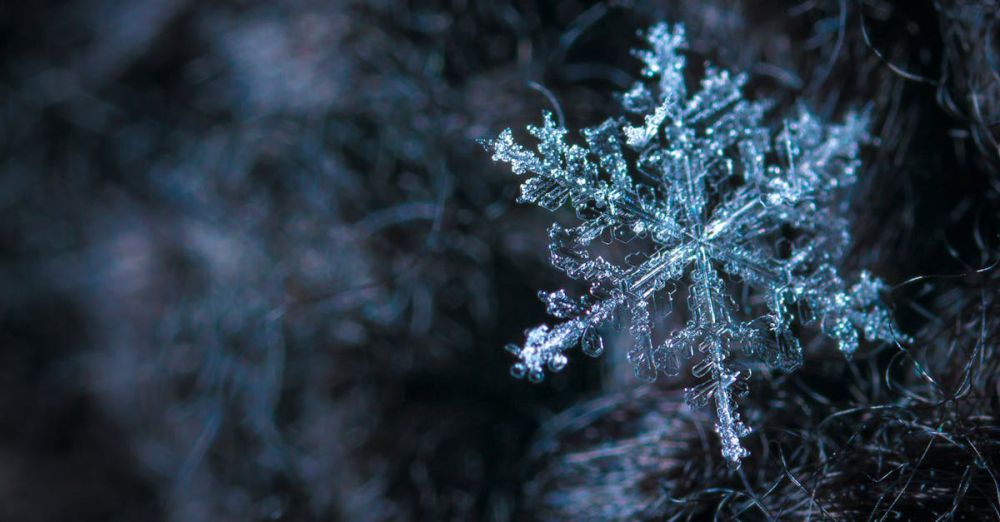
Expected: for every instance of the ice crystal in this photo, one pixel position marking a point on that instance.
(722, 204)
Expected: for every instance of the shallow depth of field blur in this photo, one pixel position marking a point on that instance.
(255, 266)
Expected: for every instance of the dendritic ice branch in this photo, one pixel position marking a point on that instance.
(722, 203)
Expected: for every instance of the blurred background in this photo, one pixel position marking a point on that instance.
(254, 266)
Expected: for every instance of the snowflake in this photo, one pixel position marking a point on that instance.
(720, 206)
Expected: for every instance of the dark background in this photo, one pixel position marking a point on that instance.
(254, 265)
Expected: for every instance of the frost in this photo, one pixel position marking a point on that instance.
(722, 203)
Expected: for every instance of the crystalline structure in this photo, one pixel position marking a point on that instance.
(724, 202)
